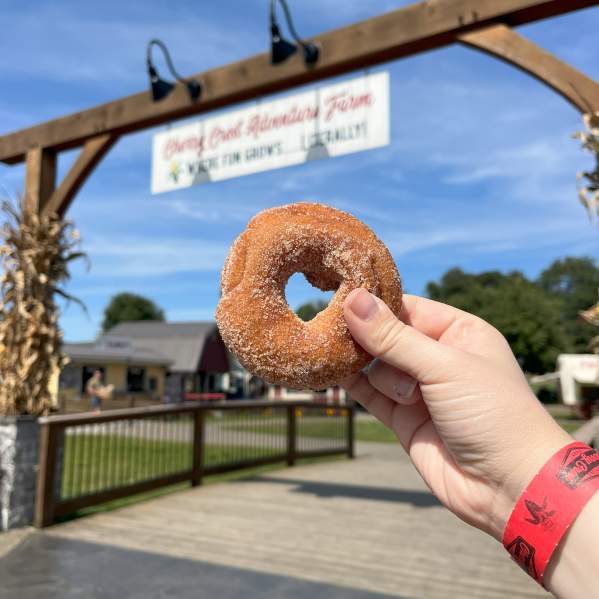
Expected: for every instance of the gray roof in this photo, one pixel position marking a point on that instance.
(92, 352)
(181, 342)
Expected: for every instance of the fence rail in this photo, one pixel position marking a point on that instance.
(88, 459)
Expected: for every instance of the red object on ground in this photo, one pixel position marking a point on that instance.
(549, 506)
(203, 396)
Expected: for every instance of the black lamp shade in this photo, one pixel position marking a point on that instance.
(311, 54)
(194, 89)
(160, 88)
(281, 48)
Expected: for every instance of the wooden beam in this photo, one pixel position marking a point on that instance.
(407, 31)
(500, 41)
(94, 150)
(40, 177)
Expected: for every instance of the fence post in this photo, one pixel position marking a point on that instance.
(44, 497)
(291, 435)
(198, 447)
(350, 431)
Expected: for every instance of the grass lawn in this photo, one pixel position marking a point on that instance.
(103, 461)
(96, 462)
(333, 427)
(371, 430)
(246, 473)
(374, 431)
(570, 427)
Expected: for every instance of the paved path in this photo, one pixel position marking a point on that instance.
(348, 529)
(11, 539)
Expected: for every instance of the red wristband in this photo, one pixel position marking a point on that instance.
(549, 505)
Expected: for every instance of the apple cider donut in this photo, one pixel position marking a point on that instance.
(335, 251)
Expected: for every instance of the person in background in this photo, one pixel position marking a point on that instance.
(94, 389)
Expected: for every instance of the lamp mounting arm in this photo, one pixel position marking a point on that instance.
(311, 51)
(288, 19)
(167, 57)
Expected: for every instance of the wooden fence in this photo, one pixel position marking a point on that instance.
(88, 459)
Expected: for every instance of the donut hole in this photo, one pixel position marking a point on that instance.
(299, 292)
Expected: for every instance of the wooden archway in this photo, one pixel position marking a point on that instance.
(482, 24)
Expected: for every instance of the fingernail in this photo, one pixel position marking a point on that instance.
(405, 388)
(362, 304)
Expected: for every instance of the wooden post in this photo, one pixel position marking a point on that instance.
(350, 431)
(198, 447)
(40, 178)
(44, 499)
(291, 436)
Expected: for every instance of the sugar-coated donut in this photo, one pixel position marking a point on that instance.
(335, 251)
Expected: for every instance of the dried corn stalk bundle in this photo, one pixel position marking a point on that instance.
(35, 255)
(588, 189)
(592, 317)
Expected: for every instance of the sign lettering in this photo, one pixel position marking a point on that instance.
(329, 121)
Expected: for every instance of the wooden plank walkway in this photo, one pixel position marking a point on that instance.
(365, 524)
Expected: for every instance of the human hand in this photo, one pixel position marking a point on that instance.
(449, 386)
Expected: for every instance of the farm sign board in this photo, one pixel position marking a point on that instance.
(328, 121)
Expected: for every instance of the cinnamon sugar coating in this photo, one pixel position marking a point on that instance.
(336, 252)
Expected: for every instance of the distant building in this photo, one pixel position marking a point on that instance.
(171, 361)
(128, 368)
(578, 378)
(198, 358)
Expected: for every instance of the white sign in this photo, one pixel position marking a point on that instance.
(329, 121)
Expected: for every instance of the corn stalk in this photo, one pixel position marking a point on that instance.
(592, 317)
(35, 253)
(588, 182)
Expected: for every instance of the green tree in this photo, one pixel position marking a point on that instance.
(527, 317)
(129, 306)
(573, 282)
(309, 310)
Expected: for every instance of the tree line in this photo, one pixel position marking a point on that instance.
(538, 317)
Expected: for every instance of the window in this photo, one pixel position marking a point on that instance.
(135, 378)
(153, 384)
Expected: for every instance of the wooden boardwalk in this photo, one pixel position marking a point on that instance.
(367, 524)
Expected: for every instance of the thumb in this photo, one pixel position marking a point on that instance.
(383, 335)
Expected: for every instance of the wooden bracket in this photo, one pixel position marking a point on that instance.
(93, 151)
(481, 24)
(504, 43)
(404, 32)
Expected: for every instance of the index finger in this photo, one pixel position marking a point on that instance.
(428, 316)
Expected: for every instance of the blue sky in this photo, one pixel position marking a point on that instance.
(480, 172)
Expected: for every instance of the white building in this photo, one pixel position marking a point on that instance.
(578, 377)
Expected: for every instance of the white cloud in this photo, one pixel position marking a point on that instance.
(94, 286)
(141, 257)
(210, 211)
(65, 45)
(492, 235)
(336, 13)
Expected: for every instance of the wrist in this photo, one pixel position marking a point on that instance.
(526, 465)
(572, 571)
(549, 506)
